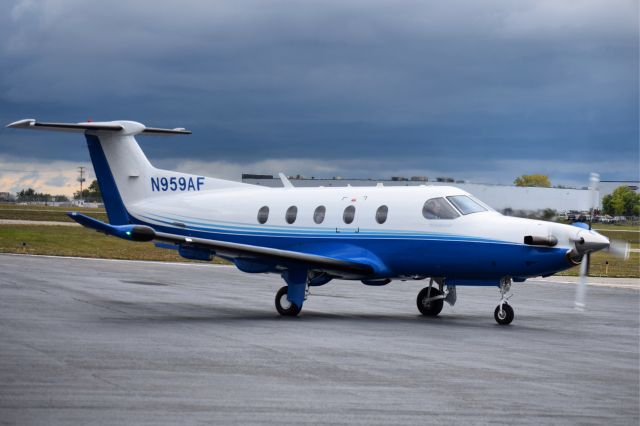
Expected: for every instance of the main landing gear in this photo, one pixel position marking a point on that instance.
(290, 298)
(504, 312)
(285, 307)
(430, 300)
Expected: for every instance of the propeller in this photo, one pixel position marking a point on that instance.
(617, 248)
(581, 290)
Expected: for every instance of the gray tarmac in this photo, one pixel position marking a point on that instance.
(117, 342)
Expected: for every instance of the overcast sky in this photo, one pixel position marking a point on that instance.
(483, 91)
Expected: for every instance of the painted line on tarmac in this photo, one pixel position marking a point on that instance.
(153, 262)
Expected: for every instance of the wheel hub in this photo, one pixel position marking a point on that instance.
(284, 302)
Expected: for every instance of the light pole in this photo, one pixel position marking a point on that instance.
(81, 179)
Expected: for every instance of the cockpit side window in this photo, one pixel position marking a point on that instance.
(438, 208)
(466, 205)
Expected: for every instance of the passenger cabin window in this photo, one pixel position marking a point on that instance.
(292, 213)
(263, 214)
(438, 208)
(318, 214)
(381, 214)
(465, 204)
(349, 214)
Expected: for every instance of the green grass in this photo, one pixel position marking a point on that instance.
(77, 241)
(46, 213)
(617, 268)
(616, 227)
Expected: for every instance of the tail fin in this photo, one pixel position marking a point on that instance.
(124, 174)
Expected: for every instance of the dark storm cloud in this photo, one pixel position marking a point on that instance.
(447, 86)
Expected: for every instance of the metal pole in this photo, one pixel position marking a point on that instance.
(81, 179)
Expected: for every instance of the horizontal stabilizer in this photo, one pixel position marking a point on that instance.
(128, 232)
(125, 127)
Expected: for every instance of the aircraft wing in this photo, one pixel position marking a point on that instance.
(286, 258)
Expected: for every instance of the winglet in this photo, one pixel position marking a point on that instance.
(27, 122)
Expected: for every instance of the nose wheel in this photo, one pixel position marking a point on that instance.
(503, 314)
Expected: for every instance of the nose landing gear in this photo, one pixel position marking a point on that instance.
(504, 312)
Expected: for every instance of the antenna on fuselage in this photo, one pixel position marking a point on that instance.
(285, 181)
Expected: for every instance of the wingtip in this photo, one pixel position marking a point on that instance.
(27, 122)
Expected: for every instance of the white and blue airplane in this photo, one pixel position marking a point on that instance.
(311, 236)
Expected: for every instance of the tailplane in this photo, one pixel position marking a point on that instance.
(124, 173)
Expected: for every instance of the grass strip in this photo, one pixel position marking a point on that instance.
(80, 242)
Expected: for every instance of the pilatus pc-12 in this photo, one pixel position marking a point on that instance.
(311, 236)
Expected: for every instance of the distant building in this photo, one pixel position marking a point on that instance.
(255, 176)
(500, 197)
(6, 196)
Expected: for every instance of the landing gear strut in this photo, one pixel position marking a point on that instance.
(430, 300)
(504, 312)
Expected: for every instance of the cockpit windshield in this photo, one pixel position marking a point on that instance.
(466, 205)
(438, 208)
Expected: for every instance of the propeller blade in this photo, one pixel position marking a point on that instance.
(619, 248)
(589, 246)
(581, 289)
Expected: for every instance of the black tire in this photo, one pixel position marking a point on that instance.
(506, 316)
(431, 308)
(281, 298)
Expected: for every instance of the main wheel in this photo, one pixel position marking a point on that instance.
(284, 306)
(505, 316)
(430, 308)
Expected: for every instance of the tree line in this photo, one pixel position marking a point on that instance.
(90, 194)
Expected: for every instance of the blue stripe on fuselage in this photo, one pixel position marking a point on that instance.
(277, 231)
(415, 254)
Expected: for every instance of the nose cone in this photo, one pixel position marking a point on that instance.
(590, 241)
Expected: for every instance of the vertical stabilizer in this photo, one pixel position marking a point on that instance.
(124, 174)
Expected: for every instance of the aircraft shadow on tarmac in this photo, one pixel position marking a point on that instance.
(183, 312)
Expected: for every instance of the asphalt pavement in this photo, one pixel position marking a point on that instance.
(119, 342)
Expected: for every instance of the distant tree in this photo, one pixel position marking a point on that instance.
(623, 201)
(25, 194)
(533, 180)
(91, 193)
(30, 195)
(507, 211)
(548, 214)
